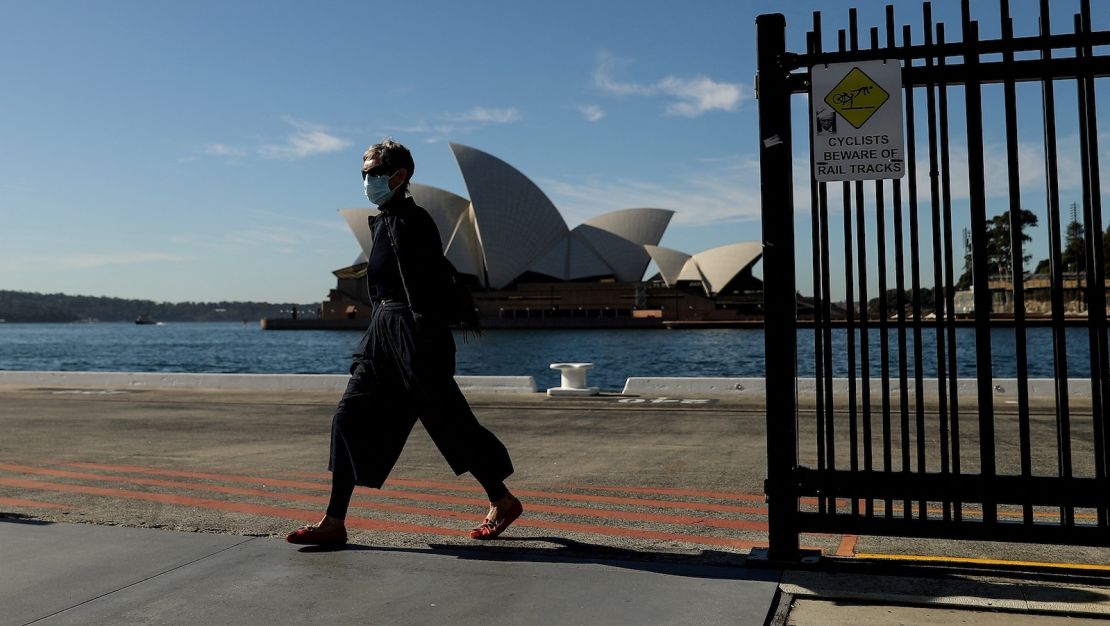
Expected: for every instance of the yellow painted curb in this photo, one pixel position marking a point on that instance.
(975, 561)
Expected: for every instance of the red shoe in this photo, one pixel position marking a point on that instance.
(313, 536)
(490, 529)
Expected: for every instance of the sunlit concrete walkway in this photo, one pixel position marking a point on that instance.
(635, 512)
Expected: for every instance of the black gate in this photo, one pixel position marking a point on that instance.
(917, 435)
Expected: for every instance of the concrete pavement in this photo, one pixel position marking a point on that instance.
(86, 574)
(651, 504)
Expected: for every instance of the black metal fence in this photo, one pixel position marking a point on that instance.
(903, 454)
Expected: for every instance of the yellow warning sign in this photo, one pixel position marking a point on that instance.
(856, 97)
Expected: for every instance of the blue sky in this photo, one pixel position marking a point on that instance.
(200, 150)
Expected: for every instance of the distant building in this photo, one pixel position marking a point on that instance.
(529, 269)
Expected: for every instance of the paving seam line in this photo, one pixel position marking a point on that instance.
(893, 601)
(926, 559)
(876, 599)
(141, 581)
(781, 603)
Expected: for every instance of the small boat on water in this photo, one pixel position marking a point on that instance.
(145, 319)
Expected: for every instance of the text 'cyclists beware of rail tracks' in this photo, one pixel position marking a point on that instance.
(856, 121)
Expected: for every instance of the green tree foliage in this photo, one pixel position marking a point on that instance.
(1074, 255)
(23, 306)
(999, 258)
(928, 303)
(1105, 249)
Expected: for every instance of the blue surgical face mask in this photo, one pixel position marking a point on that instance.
(377, 189)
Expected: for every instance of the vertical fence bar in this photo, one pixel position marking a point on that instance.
(915, 280)
(1017, 253)
(938, 267)
(900, 284)
(849, 321)
(900, 280)
(850, 335)
(826, 296)
(949, 271)
(819, 321)
(1102, 439)
(884, 304)
(779, 295)
(980, 278)
(1059, 331)
(1090, 238)
(1096, 282)
(864, 339)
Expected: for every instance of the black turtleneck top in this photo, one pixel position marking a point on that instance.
(383, 279)
(420, 250)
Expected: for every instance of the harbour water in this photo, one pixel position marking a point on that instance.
(616, 354)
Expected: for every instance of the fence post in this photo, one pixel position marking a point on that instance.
(779, 294)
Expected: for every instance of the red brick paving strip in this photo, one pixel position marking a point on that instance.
(24, 503)
(427, 484)
(749, 525)
(352, 522)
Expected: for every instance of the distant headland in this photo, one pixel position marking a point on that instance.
(25, 306)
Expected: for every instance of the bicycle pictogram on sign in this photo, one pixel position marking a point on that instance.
(856, 97)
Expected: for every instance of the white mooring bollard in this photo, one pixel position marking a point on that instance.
(573, 381)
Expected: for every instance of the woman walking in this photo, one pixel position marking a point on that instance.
(403, 369)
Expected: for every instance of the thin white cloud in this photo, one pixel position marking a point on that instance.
(607, 65)
(303, 144)
(224, 150)
(450, 124)
(592, 112)
(727, 192)
(271, 232)
(726, 188)
(486, 115)
(692, 96)
(1031, 170)
(89, 260)
(700, 94)
(307, 139)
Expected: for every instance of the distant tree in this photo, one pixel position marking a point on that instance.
(1106, 251)
(22, 306)
(965, 279)
(928, 303)
(1073, 258)
(999, 259)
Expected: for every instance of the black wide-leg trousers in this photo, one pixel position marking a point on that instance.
(402, 373)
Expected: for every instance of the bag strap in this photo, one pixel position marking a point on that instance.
(400, 272)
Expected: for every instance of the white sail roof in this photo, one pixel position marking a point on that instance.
(572, 258)
(619, 238)
(720, 265)
(516, 222)
(714, 268)
(454, 217)
(357, 221)
(673, 264)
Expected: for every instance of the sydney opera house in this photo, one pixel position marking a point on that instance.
(529, 269)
